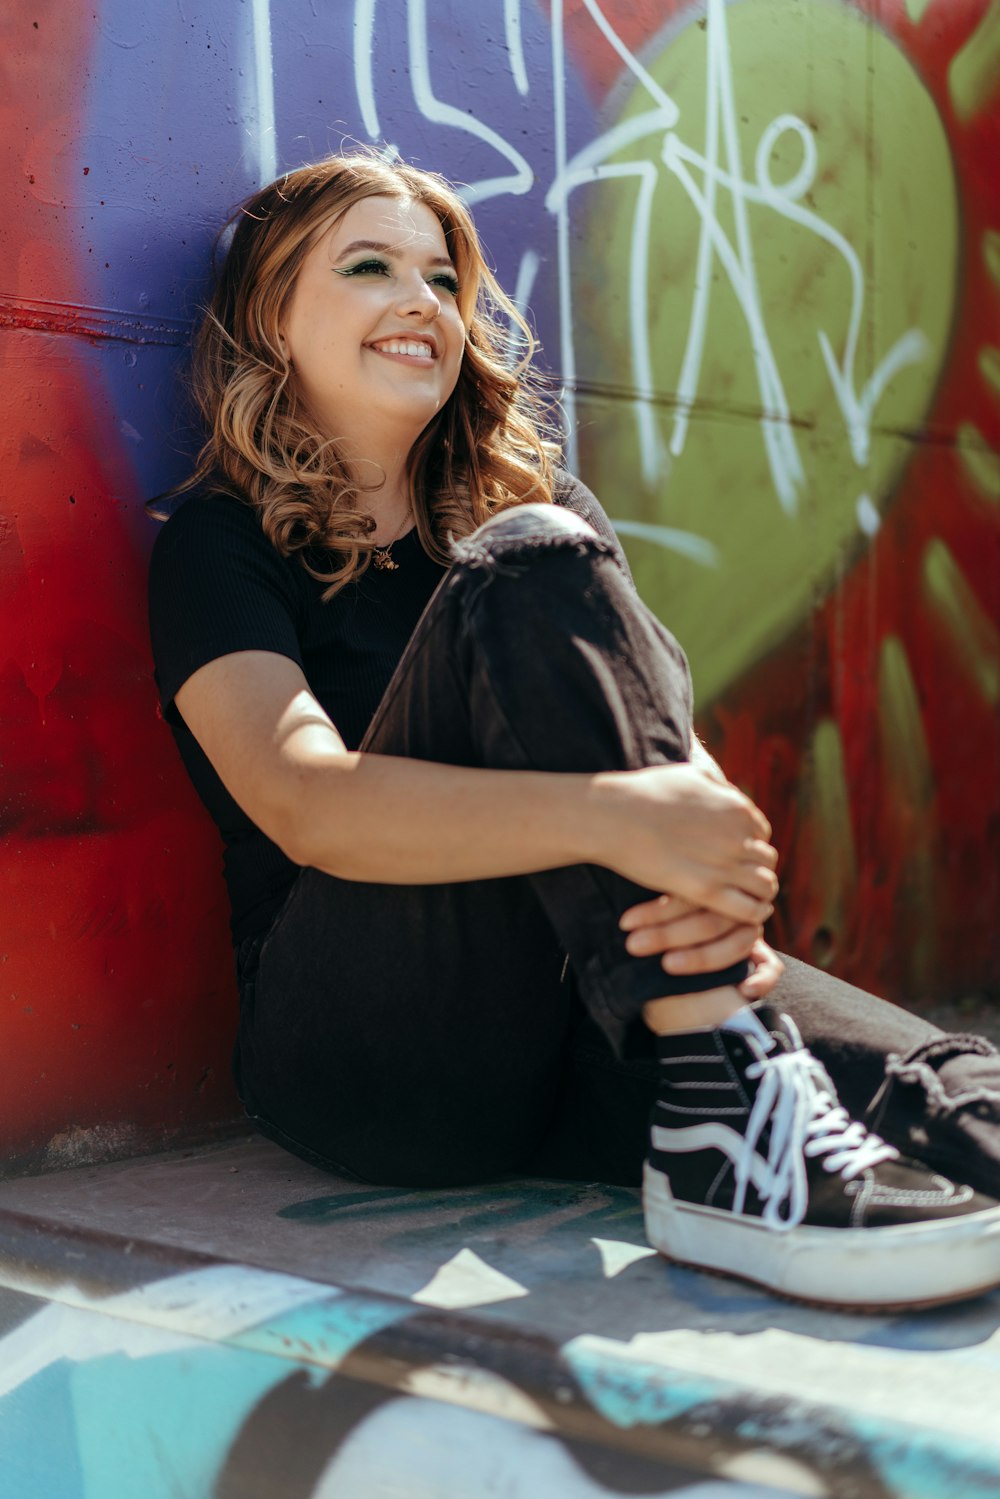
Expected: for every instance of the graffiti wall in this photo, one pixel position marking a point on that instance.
(760, 243)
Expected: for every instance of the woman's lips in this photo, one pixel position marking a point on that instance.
(405, 350)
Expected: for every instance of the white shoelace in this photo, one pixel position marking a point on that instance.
(797, 1097)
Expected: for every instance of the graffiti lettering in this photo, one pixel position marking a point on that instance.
(719, 166)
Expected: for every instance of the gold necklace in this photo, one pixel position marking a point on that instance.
(382, 556)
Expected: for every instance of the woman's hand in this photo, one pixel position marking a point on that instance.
(672, 827)
(693, 940)
(767, 970)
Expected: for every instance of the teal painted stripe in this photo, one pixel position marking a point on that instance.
(323, 1332)
(155, 1420)
(923, 1465)
(163, 1425)
(914, 1463)
(628, 1393)
(38, 1441)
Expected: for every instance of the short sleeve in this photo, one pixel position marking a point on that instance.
(216, 586)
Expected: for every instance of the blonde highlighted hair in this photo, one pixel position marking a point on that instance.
(485, 450)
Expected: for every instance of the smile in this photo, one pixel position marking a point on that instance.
(405, 348)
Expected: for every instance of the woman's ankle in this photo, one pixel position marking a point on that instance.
(692, 1012)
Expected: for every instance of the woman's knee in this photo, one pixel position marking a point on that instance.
(514, 538)
(535, 521)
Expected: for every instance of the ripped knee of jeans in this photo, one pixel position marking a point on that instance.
(523, 531)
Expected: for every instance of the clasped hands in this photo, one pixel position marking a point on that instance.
(708, 846)
(694, 941)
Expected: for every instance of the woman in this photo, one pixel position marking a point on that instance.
(487, 914)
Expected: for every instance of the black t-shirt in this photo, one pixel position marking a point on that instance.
(217, 586)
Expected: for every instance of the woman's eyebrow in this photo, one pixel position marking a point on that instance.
(374, 244)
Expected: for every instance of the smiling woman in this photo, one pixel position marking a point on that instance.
(285, 392)
(492, 908)
(377, 346)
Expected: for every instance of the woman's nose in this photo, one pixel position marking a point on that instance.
(419, 297)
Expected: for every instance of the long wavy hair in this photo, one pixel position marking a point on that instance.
(490, 445)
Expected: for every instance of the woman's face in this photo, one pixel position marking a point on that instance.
(373, 329)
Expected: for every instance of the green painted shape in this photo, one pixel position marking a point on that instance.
(321, 1210)
(991, 254)
(974, 636)
(836, 863)
(905, 743)
(981, 464)
(974, 74)
(468, 1209)
(888, 188)
(908, 790)
(989, 368)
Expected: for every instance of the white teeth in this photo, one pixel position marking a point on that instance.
(405, 346)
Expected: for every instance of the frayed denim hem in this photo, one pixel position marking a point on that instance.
(916, 1068)
(951, 1123)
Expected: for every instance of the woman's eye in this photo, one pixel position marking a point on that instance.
(447, 279)
(364, 268)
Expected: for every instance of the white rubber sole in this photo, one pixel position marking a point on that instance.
(918, 1264)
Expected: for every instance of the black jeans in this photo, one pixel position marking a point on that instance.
(443, 1034)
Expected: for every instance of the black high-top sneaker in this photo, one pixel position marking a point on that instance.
(755, 1170)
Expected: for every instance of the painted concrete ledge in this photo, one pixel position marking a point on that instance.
(230, 1323)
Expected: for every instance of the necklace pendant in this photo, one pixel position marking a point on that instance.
(382, 559)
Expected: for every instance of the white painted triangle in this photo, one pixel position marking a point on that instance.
(466, 1280)
(616, 1255)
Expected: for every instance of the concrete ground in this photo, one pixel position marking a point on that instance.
(231, 1322)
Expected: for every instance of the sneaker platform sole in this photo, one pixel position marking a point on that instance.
(856, 1269)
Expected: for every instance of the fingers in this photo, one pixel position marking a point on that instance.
(670, 922)
(746, 892)
(746, 813)
(756, 851)
(738, 942)
(761, 825)
(714, 848)
(661, 911)
(691, 930)
(767, 970)
(693, 939)
(757, 881)
(748, 910)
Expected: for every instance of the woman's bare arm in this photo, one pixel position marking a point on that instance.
(391, 820)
